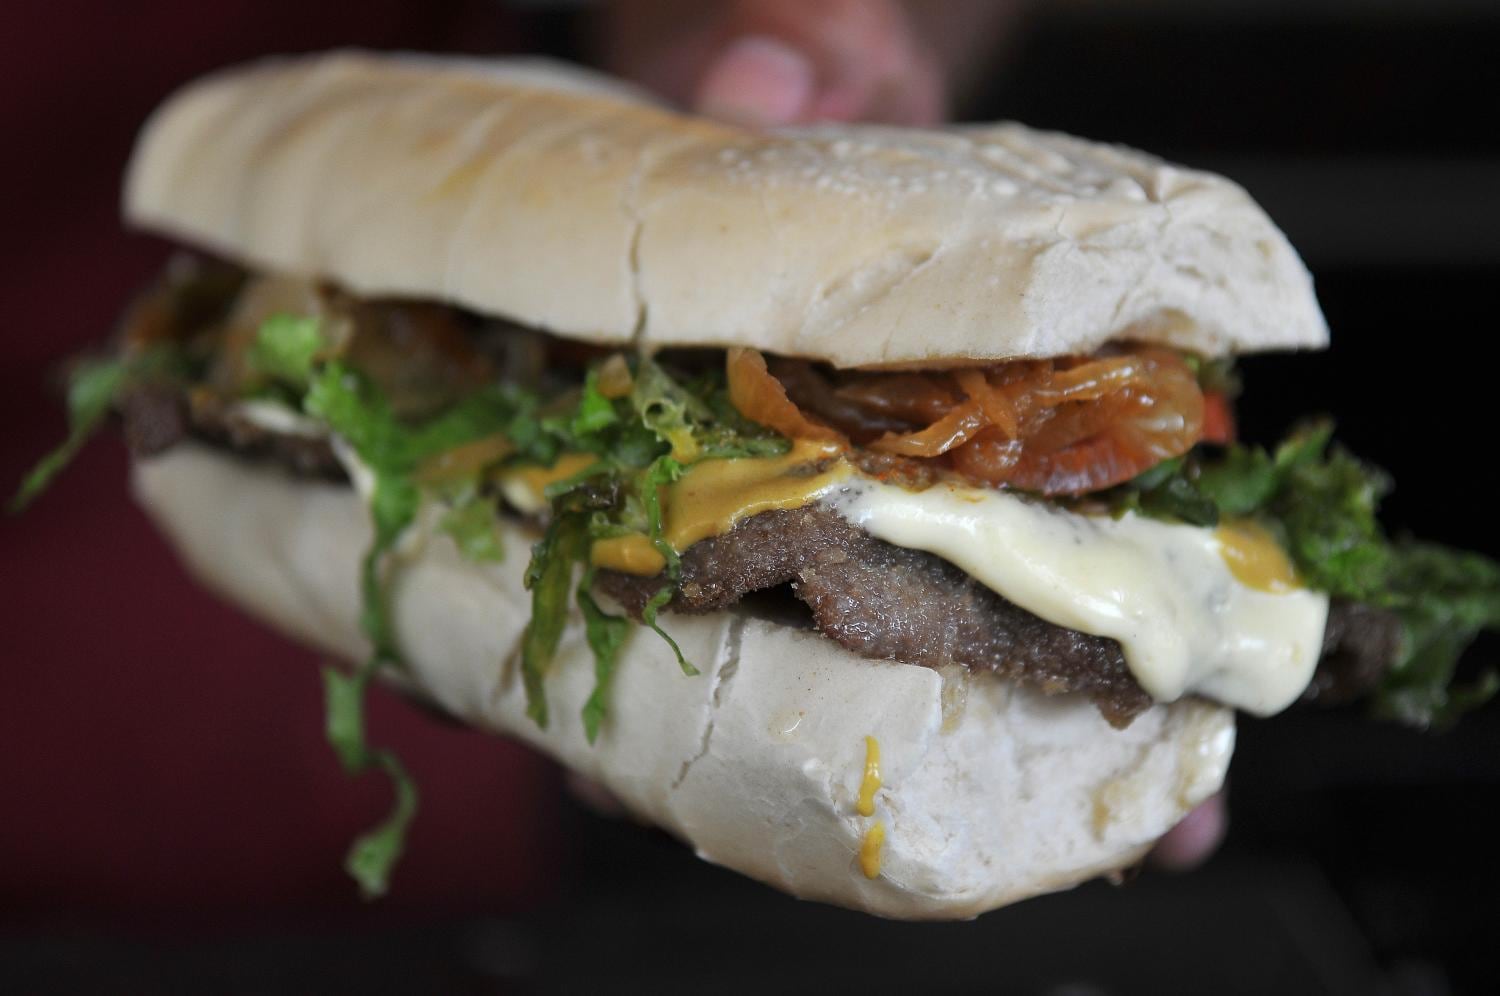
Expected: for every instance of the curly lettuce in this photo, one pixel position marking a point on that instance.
(1320, 501)
(292, 352)
(637, 438)
(94, 387)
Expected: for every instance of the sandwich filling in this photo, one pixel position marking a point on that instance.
(1082, 524)
(1085, 525)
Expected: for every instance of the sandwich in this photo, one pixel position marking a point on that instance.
(860, 505)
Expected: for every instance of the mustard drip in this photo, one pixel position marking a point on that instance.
(1255, 558)
(632, 554)
(869, 850)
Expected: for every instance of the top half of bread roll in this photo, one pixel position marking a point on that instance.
(555, 198)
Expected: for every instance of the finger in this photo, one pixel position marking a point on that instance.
(872, 65)
(1195, 838)
(912, 96)
(758, 81)
(781, 63)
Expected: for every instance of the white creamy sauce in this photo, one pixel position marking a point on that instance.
(1186, 625)
(273, 416)
(360, 474)
(522, 496)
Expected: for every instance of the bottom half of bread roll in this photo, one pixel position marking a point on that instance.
(988, 793)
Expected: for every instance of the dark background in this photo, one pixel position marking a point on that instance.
(172, 820)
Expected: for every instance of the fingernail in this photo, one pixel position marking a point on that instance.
(757, 81)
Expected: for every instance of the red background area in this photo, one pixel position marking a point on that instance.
(159, 753)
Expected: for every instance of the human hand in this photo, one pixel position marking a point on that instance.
(1195, 838)
(764, 63)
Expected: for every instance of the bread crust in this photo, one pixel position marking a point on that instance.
(757, 762)
(561, 200)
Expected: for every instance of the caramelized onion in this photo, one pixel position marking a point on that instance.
(915, 398)
(1158, 417)
(1063, 426)
(761, 398)
(989, 458)
(953, 429)
(1092, 380)
(812, 391)
(420, 355)
(614, 379)
(150, 320)
(1078, 420)
(995, 404)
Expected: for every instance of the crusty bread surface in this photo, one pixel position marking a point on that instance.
(757, 762)
(559, 199)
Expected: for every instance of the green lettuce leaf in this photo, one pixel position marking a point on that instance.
(93, 387)
(643, 442)
(1322, 502)
(1164, 493)
(288, 349)
(606, 636)
(1445, 598)
(549, 577)
(374, 854)
(473, 523)
(595, 412)
(393, 506)
(699, 422)
(642, 446)
(662, 472)
(286, 346)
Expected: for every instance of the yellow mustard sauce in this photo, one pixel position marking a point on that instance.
(713, 495)
(465, 459)
(632, 554)
(536, 479)
(1255, 558)
(684, 446)
(870, 784)
(869, 850)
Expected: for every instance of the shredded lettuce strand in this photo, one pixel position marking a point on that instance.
(94, 385)
(288, 351)
(473, 525)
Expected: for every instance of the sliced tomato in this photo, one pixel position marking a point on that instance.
(1218, 418)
